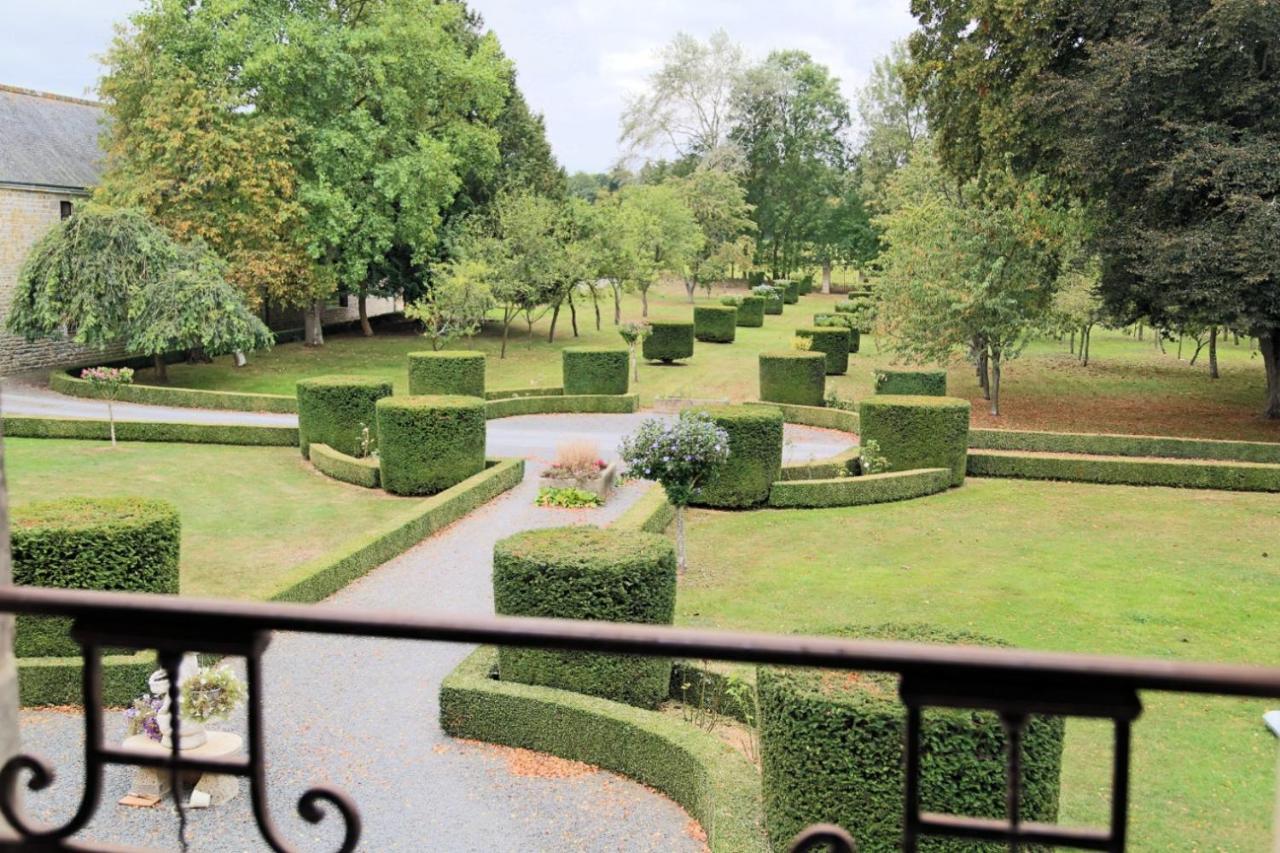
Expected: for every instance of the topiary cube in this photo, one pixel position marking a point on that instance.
(446, 372)
(793, 377)
(669, 341)
(755, 278)
(790, 290)
(715, 324)
(844, 321)
(587, 573)
(832, 751)
(831, 341)
(918, 432)
(773, 304)
(335, 410)
(595, 370)
(755, 457)
(427, 444)
(806, 284)
(750, 311)
(909, 382)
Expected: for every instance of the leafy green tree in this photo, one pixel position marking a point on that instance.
(842, 231)
(892, 123)
(455, 305)
(720, 209)
(658, 236)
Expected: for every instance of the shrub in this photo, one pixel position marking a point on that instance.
(794, 377)
(831, 341)
(1125, 445)
(842, 465)
(348, 469)
(335, 410)
(822, 417)
(1184, 474)
(832, 750)
(616, 404)
(595, 370)
(918, 432)
(755, 278)
(446, 372)
(532, 391)
(181, 397)
(912, 382)
(772, 297)
(859, 491)
(177, 433)
(652, 512)
(806, 284)
(669, 341)
(844, 321)
(587, 573)
(116, 544)
(755, 456)
(427, 444)
(790, 290)
(715, 324)
(750, 311)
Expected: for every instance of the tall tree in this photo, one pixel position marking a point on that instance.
(892, 123)
(720, 209)
(843, 232)
(657, 233)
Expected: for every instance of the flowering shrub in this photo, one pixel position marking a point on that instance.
(871, 459)
(107, 382)
(634, 334)
(211, 694)
(576, 460)
(140, 717)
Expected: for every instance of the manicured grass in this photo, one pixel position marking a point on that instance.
(249, 514)
(1130, 386)
(1163, 573)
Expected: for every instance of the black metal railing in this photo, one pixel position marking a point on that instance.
(1014, 684)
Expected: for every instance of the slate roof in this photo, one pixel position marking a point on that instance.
(48, 140)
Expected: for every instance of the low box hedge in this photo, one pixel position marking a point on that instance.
(358, 472)
(652, 513)
(822, 417)
(918, 432)
(187, 398)
(848, 463)
(669, 341)
(793, 377)
(1099, 444)
(790, 290)
(427, 444)
(1176, 473)
(609, 404)
(174, 433)
(832, 751)
(60, 680)
(119, 544)
(593, 574)
(457, 372)
(512, 393)
(909, 383)
(337, 410)
(755, 457)
(750, 311)
(715, 324)
(596, 370)
(832, 341)
(859, 491)
(711, 780)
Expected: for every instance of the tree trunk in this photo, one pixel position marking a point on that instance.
(1139, 330)
(551, 335)
(984, 376)
(690, 286)
(1180, 347)
(111, 419)
(1213, 353)
(595, 303)
(362, 303)
(995, 382)
(1073, 342)
(635, 361)
(617, 303)
(162, 369)
(680, 562)
(573, 316)
(826, 276)
(1269, 343)
(644, 302)
(1086, 338)
(506, 331)
(313, 328)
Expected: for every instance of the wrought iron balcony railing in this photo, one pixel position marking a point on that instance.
(1012, 683)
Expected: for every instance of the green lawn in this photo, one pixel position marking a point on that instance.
(1162, 573)
(1129, 387)
(249, 514)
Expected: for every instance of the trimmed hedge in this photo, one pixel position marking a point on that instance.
(457, 372)
(906, 383)
(750, 311)
(715, 324)
(1182, 474)
(115, 544)
(596, 370)
(176, 433)
(755, 278)
(59, 680)
(187, 398)
(918, 432)
(711, 780)
(790, 290)
(1125, 445)
(321, 577)
(358, 472)
(755, 457)
(846, 464)
(652, 513)
(587, 573)
(793, 377)
(609, 404)
(832, 750)
(806, 284)
(512, 393)
(831, 341)
(822, 417)
(859, 491)
(427, 444)
(334, 410)
(669, 341)
(844, 321)
(773, 305)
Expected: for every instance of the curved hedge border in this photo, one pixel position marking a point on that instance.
(446, 372)
(821, 417)
(843, 464)
(1101, 444)
(94, 430)
(755, 457)
(1176, 473)
(918, 431)
(338, 410)
(431, 443)
(606, 404)
(358, 472)
(595, 370)
(700, 772)
(652, 513)
(515, 393)
(859, 491)
(187, 398)
(907, 383)
(59, 681)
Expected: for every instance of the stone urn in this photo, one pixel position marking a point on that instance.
(600, 485)
(191, 733)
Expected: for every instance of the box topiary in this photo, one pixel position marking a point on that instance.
(832, 751)
(806, 284)
(918, 432)
(715, 324)
(427, 444)
(773, 304)
(595, 370)
(790, 290)
(909, 382)
(669, 341)
(335, 410)
(831, 341)
(119, 544)
(446, 372)
(750, 311)
(793, 377)
(825, 320)
(755, 456)
(587, 573)
(755, 278)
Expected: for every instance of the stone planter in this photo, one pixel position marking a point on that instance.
(600, 486)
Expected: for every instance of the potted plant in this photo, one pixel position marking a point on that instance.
(205, 694)
(578, 466)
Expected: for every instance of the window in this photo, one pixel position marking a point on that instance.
(64, 209)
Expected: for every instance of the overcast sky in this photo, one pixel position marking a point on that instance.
(577, 59)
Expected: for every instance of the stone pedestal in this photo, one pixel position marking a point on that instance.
(211, 789)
